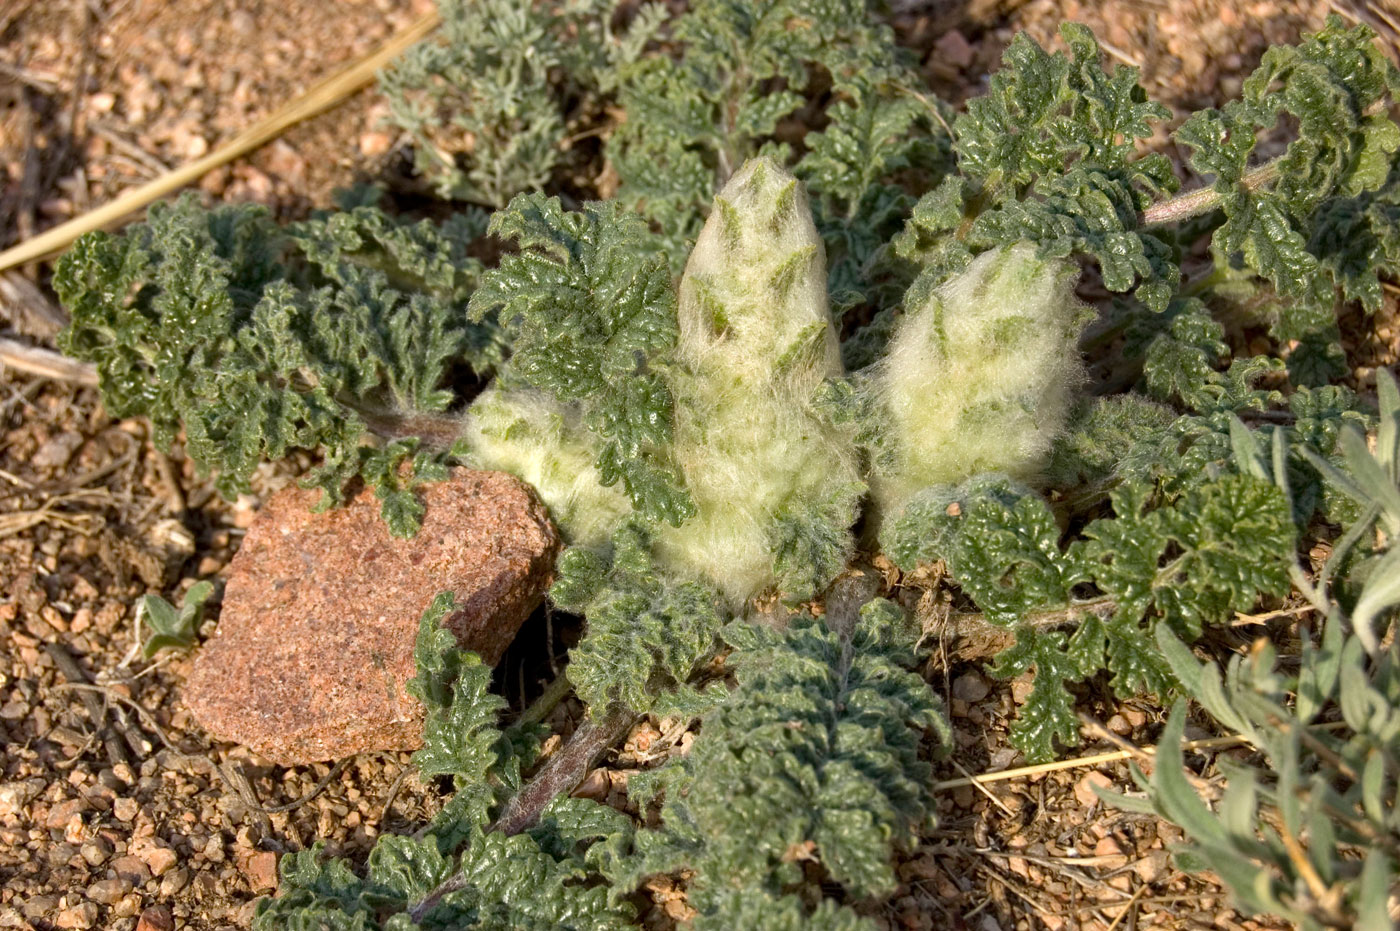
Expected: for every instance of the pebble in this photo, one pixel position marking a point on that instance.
(374, 144)
(1084, 788)
(126, 809)
(96, 851)
(15, 795)
(132, 869)
(39, 907)
(80, 916)
(159, 859)
(108, 891)
(173, 882)
(260, 870)
(970, 687)
(156, 918)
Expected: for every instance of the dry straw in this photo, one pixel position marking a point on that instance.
(321, 97)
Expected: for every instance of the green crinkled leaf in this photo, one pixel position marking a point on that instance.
(493, 79)
(461, 737)
(816, 753)
(259, 341)
(588, 306)
(1207, 556)
(742, 69)
(1330, 85)
(1181, 365)
(1056, 659)
(999, 539)
(1051, 147)
(646, 633)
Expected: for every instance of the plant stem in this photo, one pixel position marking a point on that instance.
(1206, 199)
(560, 774)
(540, 708)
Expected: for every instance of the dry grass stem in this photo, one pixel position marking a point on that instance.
(1098, 759)
(321, 97)
(45, 363)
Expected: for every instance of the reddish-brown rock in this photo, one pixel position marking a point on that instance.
(315, 640)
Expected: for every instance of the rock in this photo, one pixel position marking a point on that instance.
(57, 451)
(954, 48)
(108, 891)
(171, 883)
(96, 851)
(970, 687)
(1084, 788)
(80, 916)
(15, 795)
(156, 918)
(40, 907)
(159, 859)
(315, 639)
(131, 869)
(1153, 866)
(375, 144)
(126, 809)
(260, 870)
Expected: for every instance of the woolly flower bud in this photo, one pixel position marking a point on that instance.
(979, 375)
(775, 487)
(543, 442)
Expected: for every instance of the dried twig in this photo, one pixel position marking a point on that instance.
(97, 712)
(29, 309)
(564, 770)
(321, 97)
(45, 363)
(1113, 756)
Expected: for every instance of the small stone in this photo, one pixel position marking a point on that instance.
(64, 812)
(1084, 788)
(96, 851)
(315, 639)
(159, 859)
(40, 907)
(261, 870)
(595, 786)
(131, 869)
(173, 882)
(1152, 867)
(80, 916)
(126, 809)
(108, 891)
(156, 918)
(15, 795)
(970, 687)
(1108, 847)
(1119, 725)
(954, 49)
(57, 451)
(128, 908)
(375, 144)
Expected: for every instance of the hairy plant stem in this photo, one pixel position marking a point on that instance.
(437, 431)
(1206, 199)
(564, 770)
(540, 708)
(981, 638)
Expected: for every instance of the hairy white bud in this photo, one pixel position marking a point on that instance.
(979, 376)
(544, 442)
(775, 487)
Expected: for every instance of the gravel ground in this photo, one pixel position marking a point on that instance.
(114, 806)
